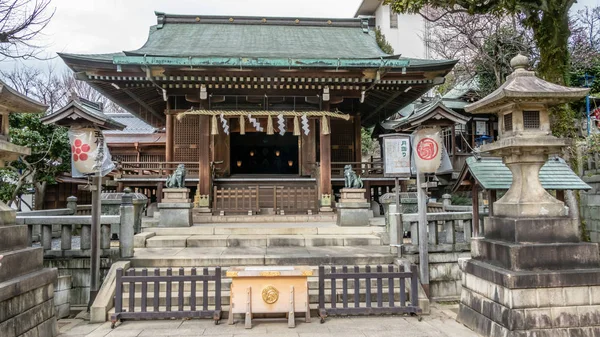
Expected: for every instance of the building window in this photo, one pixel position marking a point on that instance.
(531, 119)
(508, 122)
(393, 19)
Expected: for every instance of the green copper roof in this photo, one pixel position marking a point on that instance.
(492, 174)
(214, 36)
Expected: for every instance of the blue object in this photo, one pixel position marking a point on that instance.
(483, 140)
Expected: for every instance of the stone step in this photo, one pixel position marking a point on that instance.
(266, 230)
(377, 222)
(298, 240)
(260, 256)
(262, 218)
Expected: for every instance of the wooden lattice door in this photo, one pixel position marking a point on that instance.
(187, 139)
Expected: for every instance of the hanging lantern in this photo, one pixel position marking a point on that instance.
(89, 153)
(428, 149)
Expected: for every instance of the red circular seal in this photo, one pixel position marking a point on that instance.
(427, 149)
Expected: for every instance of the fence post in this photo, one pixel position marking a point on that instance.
(72, 204)
(126, 231)
(47, 237)
(86, 236)
(446, 201)
(65, 237)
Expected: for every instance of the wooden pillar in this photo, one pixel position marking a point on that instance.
(492, 200)
(325, 160)
(309, 149)
(204, 156)
(170, 143)
(475, 220)
(159, 192)
(560, 195)
(357, 139)
(221, 150)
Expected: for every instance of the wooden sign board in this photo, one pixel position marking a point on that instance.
(396, 156)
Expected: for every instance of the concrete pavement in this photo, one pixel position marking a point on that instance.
(440, 323)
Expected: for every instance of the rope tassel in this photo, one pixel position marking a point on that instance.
(242, 125)
(214, 131)
(270, 129)
(324, 126)
(296, 126)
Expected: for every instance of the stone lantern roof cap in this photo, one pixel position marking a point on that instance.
(524, 86)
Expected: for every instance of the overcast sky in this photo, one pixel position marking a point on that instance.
(103, 26)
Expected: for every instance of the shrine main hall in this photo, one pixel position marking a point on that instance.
(265, 112)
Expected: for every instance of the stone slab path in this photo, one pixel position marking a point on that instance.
(441, 323)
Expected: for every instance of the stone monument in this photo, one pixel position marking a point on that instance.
(531, 275)
(176, 206)
(353, 208)
(26, 287)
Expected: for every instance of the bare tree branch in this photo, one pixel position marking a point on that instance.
(21, 21)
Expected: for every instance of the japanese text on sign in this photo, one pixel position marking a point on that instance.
(396, 156)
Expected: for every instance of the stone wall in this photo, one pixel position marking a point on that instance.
(78, 269)
(445, 277)
(26, 306)
(590, 207)
(62, 294)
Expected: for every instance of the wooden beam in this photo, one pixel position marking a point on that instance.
(325, 160)
(142, 103)
(383, 105)
(357, 139)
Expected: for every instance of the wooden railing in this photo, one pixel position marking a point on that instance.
(295, 199)
(363, 169)
(155, 169)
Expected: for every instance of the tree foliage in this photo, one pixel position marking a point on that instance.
(548, 20)
(382, 42)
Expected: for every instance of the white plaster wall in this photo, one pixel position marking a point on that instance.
(407, 38)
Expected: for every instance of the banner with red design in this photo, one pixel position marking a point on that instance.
(428, 148)
(89, 153)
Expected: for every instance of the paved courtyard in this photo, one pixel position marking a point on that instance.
(440, 323)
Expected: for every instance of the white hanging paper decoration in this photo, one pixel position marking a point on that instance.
(255, 123)
(225, 125)
(281, 122)
(305, 125)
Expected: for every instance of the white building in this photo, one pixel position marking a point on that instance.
(403, 31)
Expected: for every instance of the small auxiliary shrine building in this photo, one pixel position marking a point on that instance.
(264, 112)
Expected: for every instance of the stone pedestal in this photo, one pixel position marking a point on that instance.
(175, 208)
(531, 276)
(26, 288)
(353, 208)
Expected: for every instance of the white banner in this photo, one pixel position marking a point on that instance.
(89, 153)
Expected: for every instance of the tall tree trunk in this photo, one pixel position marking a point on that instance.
(551, 33)
(40, 194)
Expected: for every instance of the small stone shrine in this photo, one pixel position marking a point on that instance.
(353, 208)
(26, 287)
(176, 206)
(530, 275)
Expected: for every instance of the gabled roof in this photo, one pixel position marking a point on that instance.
(133, 125)
(367, 7)
(434, 111)
(12, 101)
(82, 112)
(491, 174)
(270, 37)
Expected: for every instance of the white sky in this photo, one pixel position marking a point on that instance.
(103, 26)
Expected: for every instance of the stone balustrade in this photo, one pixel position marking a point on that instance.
(447, 231)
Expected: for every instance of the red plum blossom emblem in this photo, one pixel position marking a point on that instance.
(80, 150)
(427, 149)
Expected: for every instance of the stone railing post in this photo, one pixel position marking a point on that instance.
(72, 204)
(126, 231)
(446, 201)
(65, 237)
(86, 237)
(47, 237)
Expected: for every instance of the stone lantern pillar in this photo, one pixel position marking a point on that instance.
(530, 274)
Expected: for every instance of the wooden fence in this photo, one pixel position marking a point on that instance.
(186, 306)
(396, 283)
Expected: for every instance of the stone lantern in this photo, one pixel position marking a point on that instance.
(525, 140)
(530, 274)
